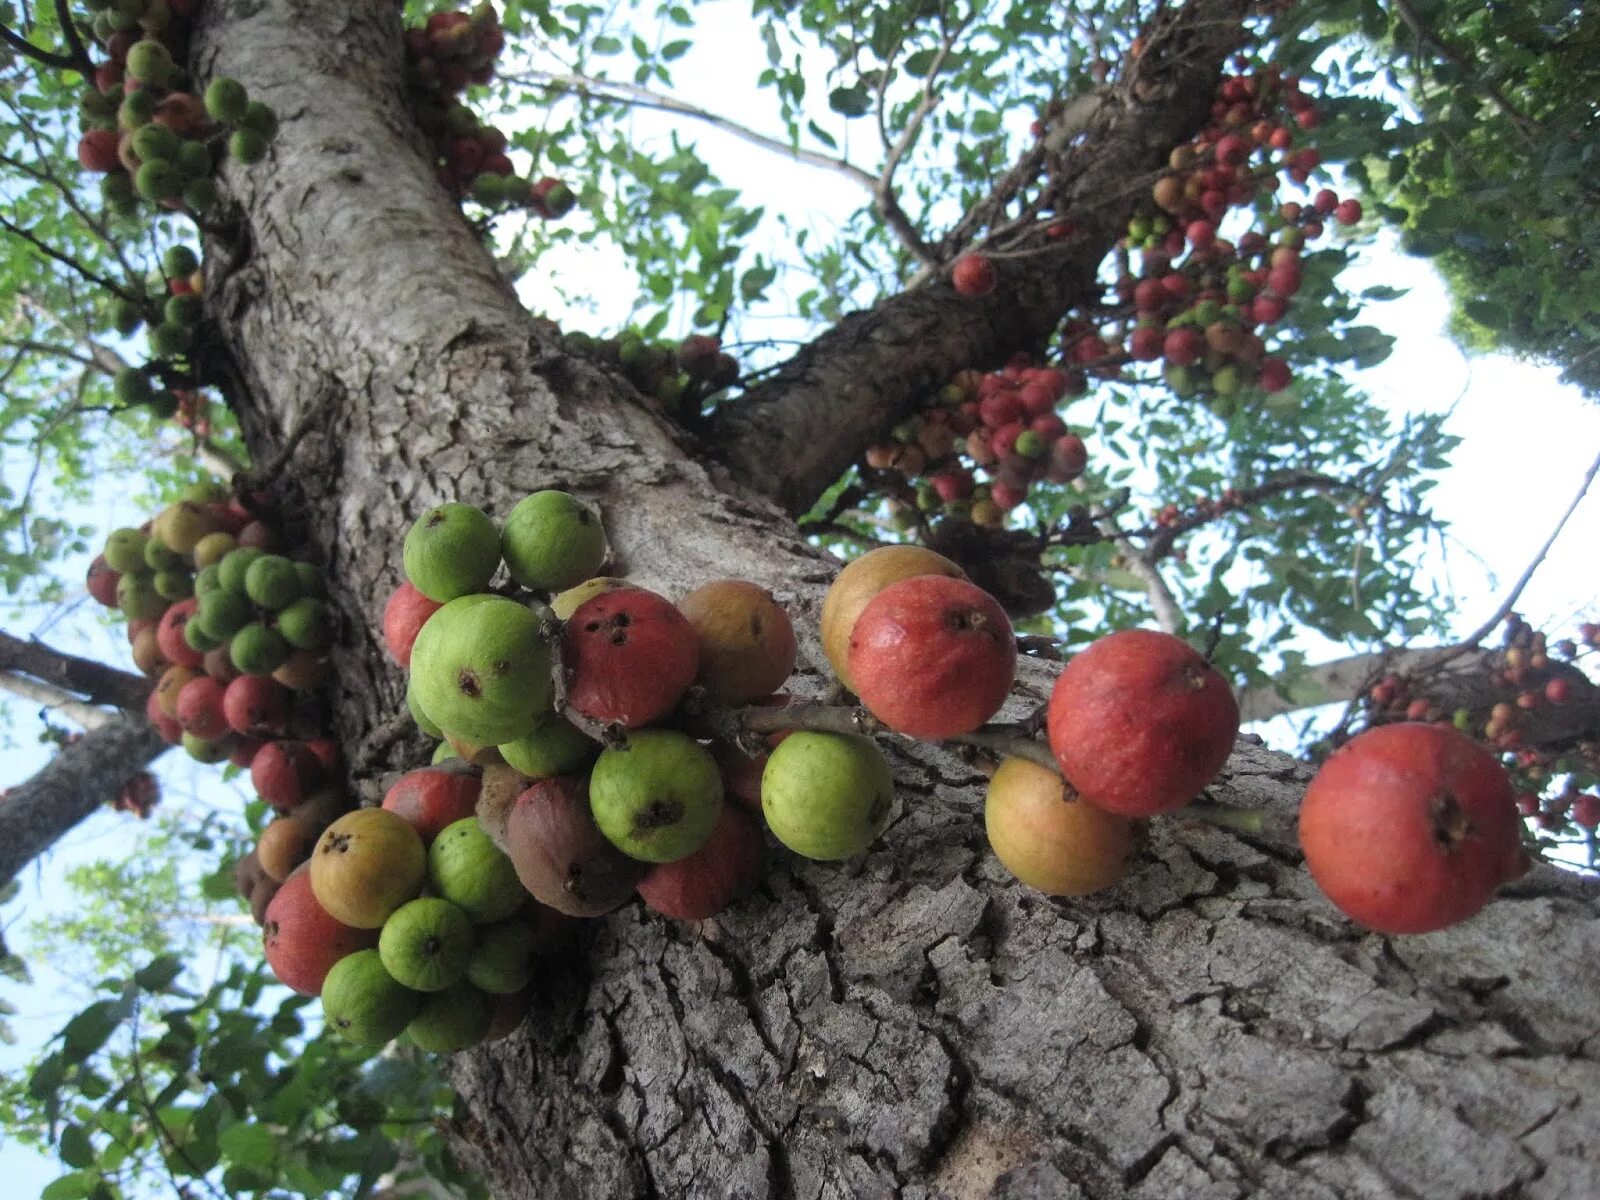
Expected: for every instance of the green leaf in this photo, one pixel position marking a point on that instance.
(77, 1186)
(75, 1148)
(91, 1028)
(851, 101)
(158, 973)
(249, 1145)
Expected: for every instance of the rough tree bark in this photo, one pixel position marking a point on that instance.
(912, 1024)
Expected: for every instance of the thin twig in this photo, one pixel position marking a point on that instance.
(1527, 128)
(48, 58)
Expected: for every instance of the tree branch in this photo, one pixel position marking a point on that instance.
(68, 261)
(47, 58)
(1527, 128)
(86, 774)
(48, 696)
(98, 683)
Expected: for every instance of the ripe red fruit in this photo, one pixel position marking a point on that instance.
(243, 751)
(169, 635)
(933, 657)
(200, 708)
(1558, 691)
(1586, 811)
(1275, 375)
(1183, 346)
(1150, 295)
(1232, 150)
(171, 732)
(1409, 828)
(326, 752)
(283, 773)
(1348, 212)
(97, 150)
(1325, 201)
(999, 409)
(630, 655)
(102, 582)
(728, 866)
(1146, 343)
(1068, 458)
(974, 275)
(302, 941)
(1268, 309)
(1140, 722)
(256, 705)
(1007, 495)
(431, 799)
(404, 616)
(1201, 234)
(952, 485)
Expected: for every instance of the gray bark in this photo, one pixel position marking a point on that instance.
(913, 1024)
(86, 774)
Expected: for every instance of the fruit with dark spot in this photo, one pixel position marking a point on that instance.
(169, 635)
(302, 941)
(502, 784)
(425, 944)
(284, 844)
(432, 799)
(1140, 722)
(450, 1020)
(552, 541)
(630, 656)
(560, 854)
(481, 669)
(859, 582)
(657, 798)
(404, 616)
(933, 657)
(728, 866)
(826, 796)
(1050, 838)
(1410, 827)
(569, 601)
(367, 864)
(747, 645)
(451, 550)
(199, 708)
(470, 871)
(256, 706)
(364, 1003)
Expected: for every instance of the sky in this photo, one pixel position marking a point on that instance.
(1526, 443)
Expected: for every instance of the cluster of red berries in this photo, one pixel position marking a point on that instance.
(443, 56)
(682, 376)
(1004, 422)
(1204, 509)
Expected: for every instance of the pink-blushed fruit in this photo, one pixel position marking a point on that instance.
(1050, 838)
(102, 581)
(283, 774)
(933, 657)
(974, 275)
(257, 706)
(728, 866)
(169, 635)
(302, 941)
(861, 580)
(746, 644)
(199, 708)
(169, 729)
(1140, 722)
(404, 616)
(630, 656)
(432, 798)
(1409, 828)
(560, 854)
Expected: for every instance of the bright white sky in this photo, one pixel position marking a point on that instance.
(1526, 443)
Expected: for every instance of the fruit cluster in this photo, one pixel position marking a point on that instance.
(443, 55)
(1004, 422)
(236, 637)
(681, 376)
(138, 796)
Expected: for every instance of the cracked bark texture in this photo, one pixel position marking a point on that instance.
(911, 1024)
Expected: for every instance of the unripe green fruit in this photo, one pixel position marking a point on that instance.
(552, 540)
(116, 192)
(826, 796)
(441, 752)
(658, 798)
(205, 491)
(306, 624)
(1029, 444)
(487, 189)
(194, 160)
(200, 194)
(179, 262)
(247, 146)
(154, 141)
(1226, 381)
(452, 550)
(257, 649)
(206, 582)
(158, 557)
(555, 747)
(126, 317)
(213, 548)
(196, 638)
(171, 341)
(235, 565)
(271, 582)
(132, 386)
(138, 599)
(136, 110)
(474, 874)
(97, 105)
(502, 961)
(204, 750)
(124, 551)
(258, 118)
(222, 613)
(174, 585)
(226, 100)
(311, 582)
(424, 722)
(481, 669)
(149, 61)
(453, 1019)
(425, 944)
(364, 1003)
(157, 179)
(163, 404)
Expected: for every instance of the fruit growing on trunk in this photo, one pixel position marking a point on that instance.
(728, 866)
(271, 582)
(933, 657)
(747, 645)
(302, 941)
(657, 798)
(1409, 827)
(170, 635)
(425, 944)
(552, 540)
(432, 800)
(974, 275)
(284, 844)
(826, 796)
(481, 670)
(555, 747)
(471, 872)
(560, 854)
(199, 708)
(367, 864)
(502, 961)
(256, 706)
(501, 786)
(364, 1003)
(404, 616)
(450, 1020)
(1050, 838)
(859, 582)
(1140, 722)
(630, 656)
(283, 774)
(452, 550)
(569, 601)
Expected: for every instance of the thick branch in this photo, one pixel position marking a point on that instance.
(85, 775)
(48, 695)
(45, 58)
(793, 435)
(94, 681)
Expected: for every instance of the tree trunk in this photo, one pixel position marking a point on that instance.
(914, 1024)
